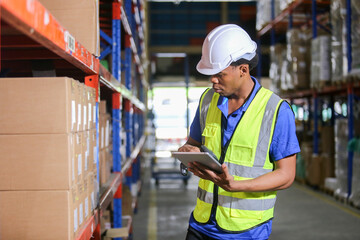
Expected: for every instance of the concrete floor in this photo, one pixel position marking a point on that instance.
(300, 213)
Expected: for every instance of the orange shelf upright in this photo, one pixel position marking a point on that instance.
(34, 20)
(89, 229)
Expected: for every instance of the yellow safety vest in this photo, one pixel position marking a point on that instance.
(246, 157)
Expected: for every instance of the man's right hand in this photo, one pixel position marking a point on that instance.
(190, 146)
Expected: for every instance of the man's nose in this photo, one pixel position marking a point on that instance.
(214, 79)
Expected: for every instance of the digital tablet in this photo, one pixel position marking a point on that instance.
(201, 157)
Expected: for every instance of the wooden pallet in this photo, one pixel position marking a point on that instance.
(327, 191)
(341, 199)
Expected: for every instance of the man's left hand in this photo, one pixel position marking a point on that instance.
(223, 180)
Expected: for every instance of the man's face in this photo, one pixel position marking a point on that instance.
(227, 82)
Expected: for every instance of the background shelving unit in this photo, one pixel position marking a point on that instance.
(29, 33)
(314, 16)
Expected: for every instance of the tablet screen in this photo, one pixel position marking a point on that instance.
(200, 157)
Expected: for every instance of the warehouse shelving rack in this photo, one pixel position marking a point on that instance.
(347, 87)
(39, 36)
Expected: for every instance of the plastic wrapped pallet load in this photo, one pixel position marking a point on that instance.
(341, 157)
(354, 198)
(355, 36)
(263, 14)
(320, 73)
(297, 50)
(354, 145)
(277, 55)
(339, 62)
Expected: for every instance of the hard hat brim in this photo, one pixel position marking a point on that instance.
(203, 69)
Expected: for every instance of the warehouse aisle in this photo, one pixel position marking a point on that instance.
(301, 213)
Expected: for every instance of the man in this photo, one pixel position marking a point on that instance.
(251, 131)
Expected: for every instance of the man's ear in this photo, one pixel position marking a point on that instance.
(244, 69)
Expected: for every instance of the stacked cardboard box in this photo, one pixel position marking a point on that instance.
(320, 166)
(105, 143)
(48, 150)
(80, 18)
(327, 141)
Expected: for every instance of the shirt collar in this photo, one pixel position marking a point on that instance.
(223, 101)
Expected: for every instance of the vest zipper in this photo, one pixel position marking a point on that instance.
(221, 160)
(216, 187)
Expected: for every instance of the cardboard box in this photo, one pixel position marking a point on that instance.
(84, 104)
(80, 107)
(313, 171)
(79, 155)
(127, 203)
(38, 215)
(102, 126)
(74, 159)
(105, 129)
(94, 155)
(327, 141)
(74, 103)
(108, 134)
(82, 191)
(105, 221)
(94, 192)
(90, 150)
(109, 155)
(38, 105)
(93, 105)
(102, 107)
(90, 107)
(103, 167)
(80, 18)
(89, 198)
(327, 167)
(34, 162)
(81, 206)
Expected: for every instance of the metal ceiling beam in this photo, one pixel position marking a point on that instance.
(175, 49)
(179, 1)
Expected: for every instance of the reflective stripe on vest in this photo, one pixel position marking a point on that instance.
(236, 203)
(265, 131)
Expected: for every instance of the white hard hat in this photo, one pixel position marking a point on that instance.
(224, 45)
